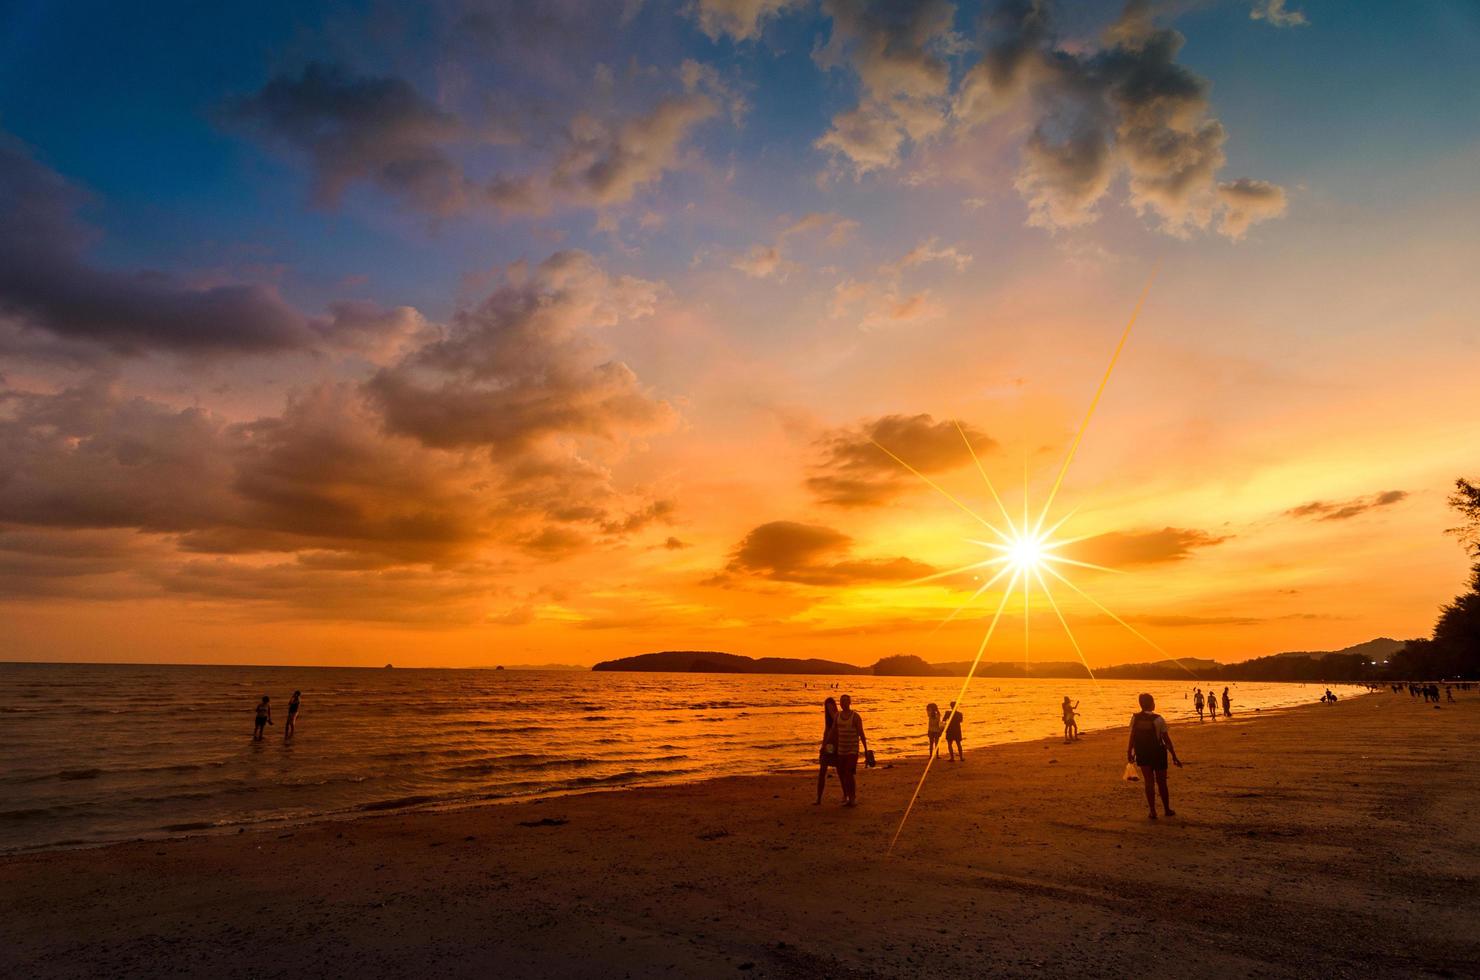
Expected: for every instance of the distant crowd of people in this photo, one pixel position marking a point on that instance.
(264, 717)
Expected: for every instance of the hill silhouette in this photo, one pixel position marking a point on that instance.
(1348, 664)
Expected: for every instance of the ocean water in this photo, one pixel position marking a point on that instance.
(97, 753)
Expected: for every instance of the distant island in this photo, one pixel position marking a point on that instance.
(1355, 663)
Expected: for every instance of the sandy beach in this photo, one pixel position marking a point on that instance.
(1328, 840)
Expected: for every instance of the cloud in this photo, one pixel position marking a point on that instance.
(351, 128)
(345, 479)
(1275, 14)
(764, 261)
(47, 285)
(761, 262)
(606, 162)
(897, 51)
(1119, 549)
(522, 366)
(931, 251)
(55, 303)
(1125, 107)
(883, 298)
(855, 472)
(1322, 510)
(1247, 202)
(810, 554)
(742, 20)
(380, 130)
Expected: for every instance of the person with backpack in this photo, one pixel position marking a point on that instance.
(1149, 746)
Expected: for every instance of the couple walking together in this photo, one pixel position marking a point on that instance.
(841, 737)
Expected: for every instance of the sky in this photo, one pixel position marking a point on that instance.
(468, 333)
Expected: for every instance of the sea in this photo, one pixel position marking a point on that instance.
(94, 753)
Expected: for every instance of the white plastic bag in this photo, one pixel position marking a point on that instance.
(1131, 774)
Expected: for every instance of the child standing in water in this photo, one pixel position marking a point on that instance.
(1071, 727)
(264, 718)
(933, 727)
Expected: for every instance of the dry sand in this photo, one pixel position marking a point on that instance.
(1325, 841)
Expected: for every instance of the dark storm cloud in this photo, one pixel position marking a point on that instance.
(1119, 549)
(1324, 510)
(810, 554)
(855, 472)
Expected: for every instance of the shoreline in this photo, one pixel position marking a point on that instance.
(1331, 838)
(380, 809)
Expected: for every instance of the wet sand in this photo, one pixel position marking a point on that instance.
(1330, 840)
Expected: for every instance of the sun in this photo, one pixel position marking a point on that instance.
(1024, 552)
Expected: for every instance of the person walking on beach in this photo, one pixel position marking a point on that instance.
(264, 718)
(1197, 702)
(933, 728)
(953, 735)
(1227, 704)
(827, 754)
(848, 732)
(1148, 748)
(1071, 728)
(1212, 706)
(292, 715)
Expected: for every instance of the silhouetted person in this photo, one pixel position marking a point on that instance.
(292, 715)
(1212, 706)
(1227, 704)
(1197, 702)
(933, 727)
(1148, 748)
(264, 718)
(827, 753)
(848, 729)
(1071, 728)
(953, 735)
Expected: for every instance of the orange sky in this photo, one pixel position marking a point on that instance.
(633, 409)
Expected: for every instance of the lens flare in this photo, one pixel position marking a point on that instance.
(1025, 551)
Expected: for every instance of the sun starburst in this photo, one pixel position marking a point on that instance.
(1024, 552)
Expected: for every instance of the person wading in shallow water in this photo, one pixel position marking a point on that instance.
(827, 754)
(263, 719)
(848, 734)
(288, 729)
(1148, 748)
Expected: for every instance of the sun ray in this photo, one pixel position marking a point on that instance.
(961, 696)
(974, 596)
(1026, 550)
(1007, 518)
(1095, 402)
(1082, 564)
(1045, 535)
(1073, 641)
(974, 515)
(957, 571)
(1101, 607)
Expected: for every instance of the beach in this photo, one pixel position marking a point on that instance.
(1334, 840)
